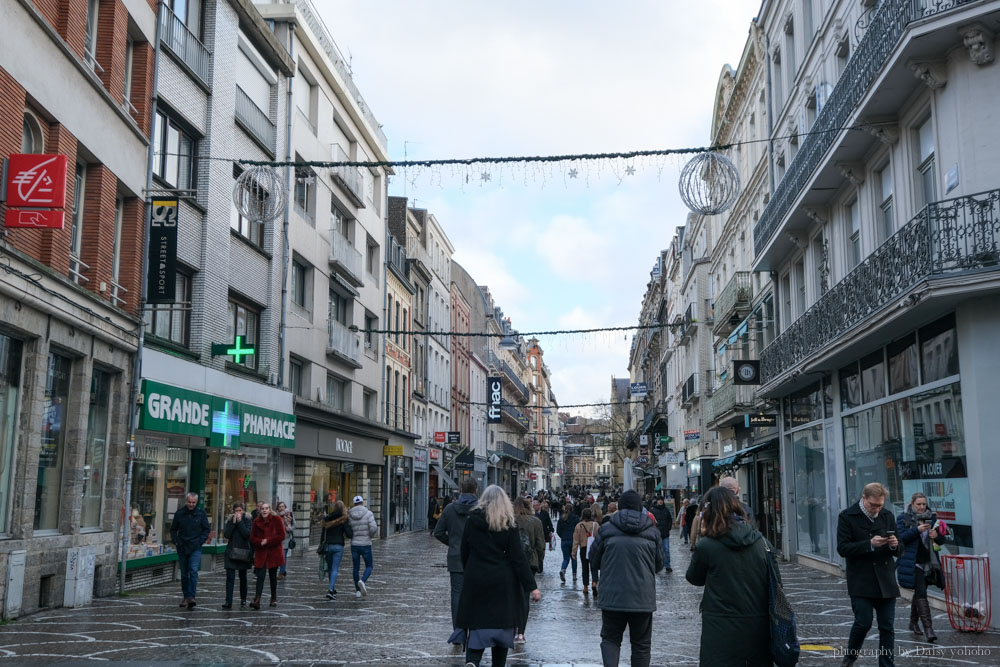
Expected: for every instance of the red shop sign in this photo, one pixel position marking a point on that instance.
(37, 219)
(440, 436)
(36, 181)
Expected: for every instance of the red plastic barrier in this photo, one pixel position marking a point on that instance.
(967, 591)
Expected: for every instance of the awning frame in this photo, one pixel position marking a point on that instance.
(442, 475)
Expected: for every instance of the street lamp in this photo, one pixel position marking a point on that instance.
(507, 343)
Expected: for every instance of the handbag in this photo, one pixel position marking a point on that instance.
(784, 637)
(239, 554)
(291, 544)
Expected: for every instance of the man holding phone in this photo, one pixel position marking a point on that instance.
(866, 538)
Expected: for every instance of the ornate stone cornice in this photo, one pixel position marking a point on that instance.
(933, 73)
(853, 172)
(978, 39)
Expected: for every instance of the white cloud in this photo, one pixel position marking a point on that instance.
(573, 250)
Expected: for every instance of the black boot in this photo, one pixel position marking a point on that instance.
(925, 617)
(915, 618)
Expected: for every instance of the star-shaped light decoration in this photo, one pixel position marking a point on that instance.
(573, 173)
(630, 170)
(485, 176)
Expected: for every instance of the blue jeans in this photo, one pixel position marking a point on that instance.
(281, 569)
(190, 564)
(457, 579)
(685, 531)
(864, 609)
(334, 554)
(356, 554)
(567, 547)
(666, 552)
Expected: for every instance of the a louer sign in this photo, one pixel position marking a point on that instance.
(223, 422)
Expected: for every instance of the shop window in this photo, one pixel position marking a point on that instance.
(939, 350)
(160, 480)
(903, 364)
(850, 386)
(48, 488)
(244, 320)
(244, 477)
(10, 385)
(96, 453)
(173, 322)
(804, 406)
(873, 376)
(174, 149)
(812, 504)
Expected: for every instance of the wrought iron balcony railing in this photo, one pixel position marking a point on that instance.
(397, 417)
(516, 415)
(344, 256)
(344, 343)
(887, 26)
(514, 379)
(736, 295)
(254, 120)
(729, 398)
(946, 238)
(689, 392)
(183, 44)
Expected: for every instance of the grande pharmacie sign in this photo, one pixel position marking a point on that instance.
(224, 422)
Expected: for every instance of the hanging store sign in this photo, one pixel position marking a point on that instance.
(36, 181)
(494, 395)
(237, 350)
(746, 371)
(392, 450)
(454, 437)
(223, 422)
(760, 421)
(162, 274)
(33, 219)
(440, 437)
(692, 435)
(638, 389)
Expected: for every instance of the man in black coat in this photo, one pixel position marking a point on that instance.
(189, 530)
(664, 521)
(449, 530)
(547, 528)
(866, 537)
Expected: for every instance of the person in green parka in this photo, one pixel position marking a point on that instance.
(730, 561)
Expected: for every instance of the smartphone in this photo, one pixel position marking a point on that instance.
(890, 533)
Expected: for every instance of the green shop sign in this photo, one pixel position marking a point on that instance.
(223, 422)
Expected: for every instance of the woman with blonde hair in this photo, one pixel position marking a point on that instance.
(495, 568)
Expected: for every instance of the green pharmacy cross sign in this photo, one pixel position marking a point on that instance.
(236, 350)
(226, 426)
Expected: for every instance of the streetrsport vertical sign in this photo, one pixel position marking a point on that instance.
(162, 276)
(494, 398)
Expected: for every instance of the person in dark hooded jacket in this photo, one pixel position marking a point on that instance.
(628, 552)
(449, 530)
(730, 561)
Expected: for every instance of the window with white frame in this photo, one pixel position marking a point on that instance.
(799, 272)
(129, 57)
(32, 138)
(90, 34)
(172, 322)
(305, 192)
(116, 253)
(789, 54)
(336, 390)
(173, 153)
(371, 323)
(926, 171)
(76, 266)
(852, 234)
(300, 284)
(886, 223)
(295, 376)
(244, 321)
(249, 230)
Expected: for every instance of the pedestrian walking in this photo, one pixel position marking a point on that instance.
(596, 512)
(612, 508)
(363, 528)
(628, 552)
(866, 538)
(532, 536)
(919, 566)
(733, 485)
(664, 521)
(449, 531)
(689, 513)
(189, 530)
(495, 568)
(542, 512)
(583, 536)
(266, 535)
(336, 527)
(289, 542)
(238, 556)
(731, 562)
(433, 513)
(564, 528)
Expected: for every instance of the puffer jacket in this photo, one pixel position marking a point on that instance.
(363, 525)
(451, 525)
(628, 552)
(909, 538)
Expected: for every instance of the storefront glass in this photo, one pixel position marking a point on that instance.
(160, 478)
(48, 488)
(811, 502)
(400, 509)
(236, 476)
(915, 444)
(10, 383)
(95, 454)
(329, 481)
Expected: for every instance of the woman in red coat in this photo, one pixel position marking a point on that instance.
(266, 535)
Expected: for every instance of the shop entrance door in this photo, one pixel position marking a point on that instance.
(767, 500)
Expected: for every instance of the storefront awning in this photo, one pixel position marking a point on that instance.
(726, 461)
(741, 456)
(444, 477)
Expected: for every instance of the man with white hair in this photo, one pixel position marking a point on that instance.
(734, 486)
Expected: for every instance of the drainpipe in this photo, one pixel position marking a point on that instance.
(133, 412)
(284, 249)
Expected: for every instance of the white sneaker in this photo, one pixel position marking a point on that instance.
(357, 594)
(364, 589)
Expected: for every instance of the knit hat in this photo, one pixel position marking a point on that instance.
(630, 500)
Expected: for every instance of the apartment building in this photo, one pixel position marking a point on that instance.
(470, 370)
(70, 289)
(882, 236)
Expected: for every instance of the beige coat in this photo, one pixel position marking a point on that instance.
(695, 530)
(580, 535)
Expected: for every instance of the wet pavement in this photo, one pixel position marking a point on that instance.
(405, 619)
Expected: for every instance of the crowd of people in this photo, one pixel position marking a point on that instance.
(616, 543)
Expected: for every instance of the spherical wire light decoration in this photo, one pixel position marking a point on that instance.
(709, 183)
(259, 194)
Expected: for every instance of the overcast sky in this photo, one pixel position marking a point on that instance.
(463, 79)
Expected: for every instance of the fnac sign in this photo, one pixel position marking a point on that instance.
(36, 182)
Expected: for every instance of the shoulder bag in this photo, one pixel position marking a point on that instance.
(784, 636)
(239, 554)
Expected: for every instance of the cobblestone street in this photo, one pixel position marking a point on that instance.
(405, 619)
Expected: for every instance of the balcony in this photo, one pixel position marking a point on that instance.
(514, 379)
(947, 238)
(519, 418)
(344, 344)
(885, 30)
(728, 404)
(255, 121)
(348, 178)
(688, 324)
(689, 390)
(182, 43)
(733, 302)
(397, 417)
(345, 258)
